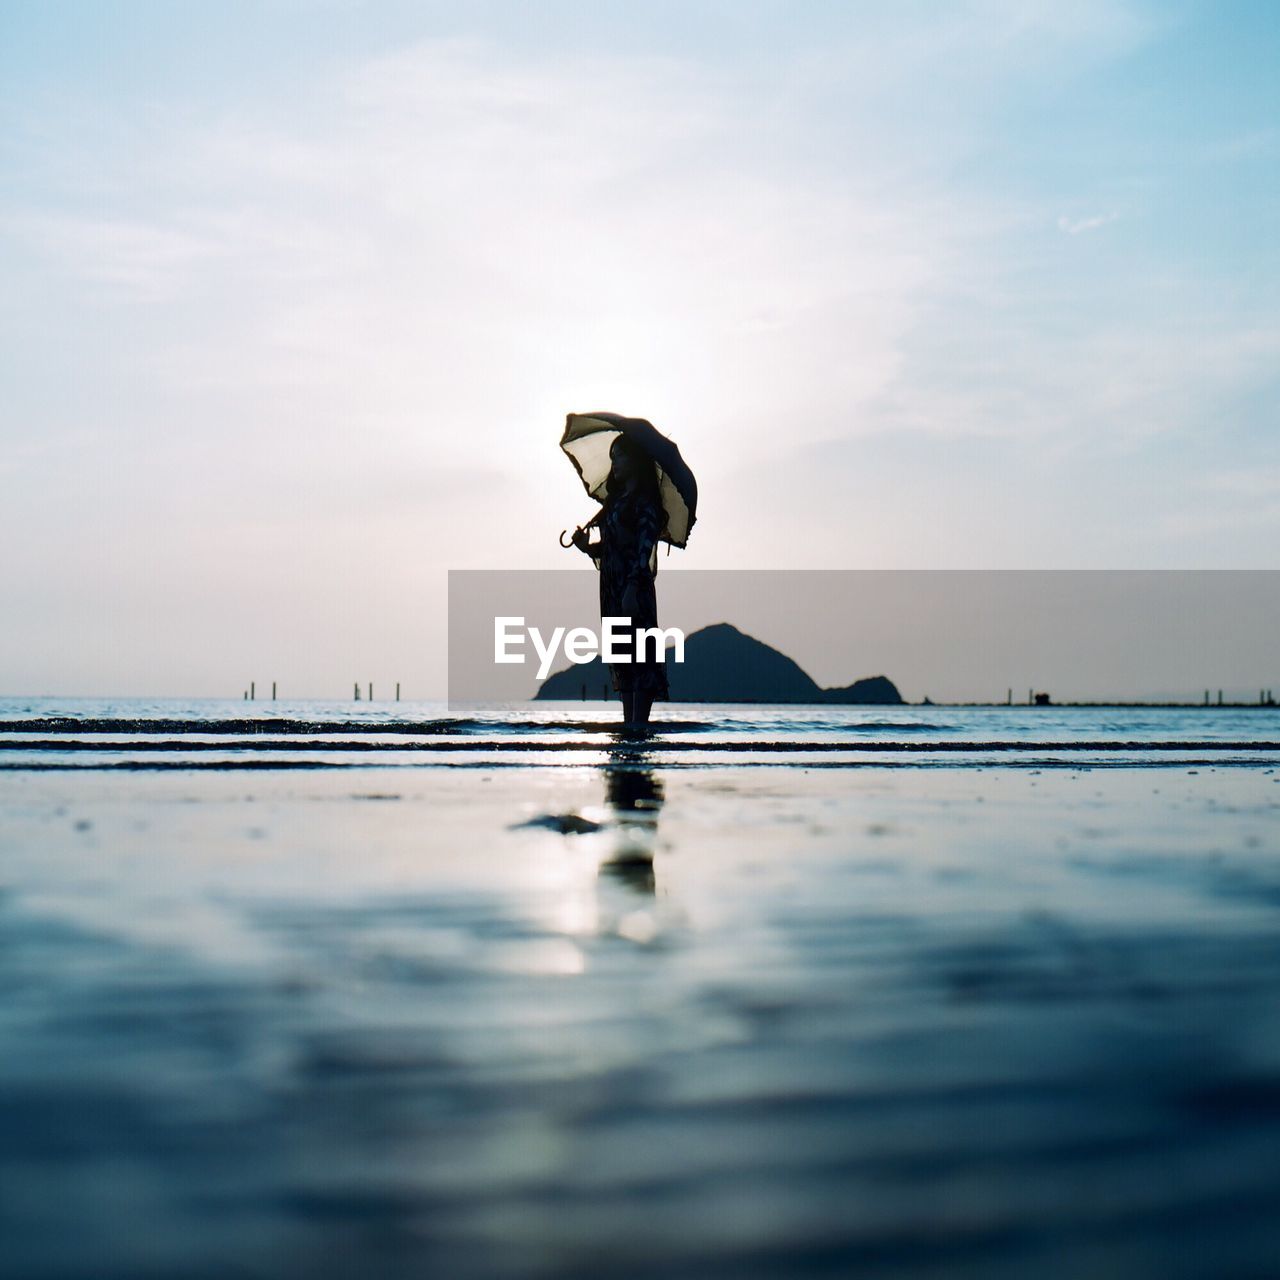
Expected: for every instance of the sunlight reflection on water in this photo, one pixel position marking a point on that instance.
(494, 1020)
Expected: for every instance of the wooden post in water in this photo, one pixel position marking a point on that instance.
(370, 690)
(252, 695)
(1219, 697)
(357, 686)
(1009, 698)
(397, 690)
(273, 691)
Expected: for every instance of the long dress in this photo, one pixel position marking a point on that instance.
(627, 552)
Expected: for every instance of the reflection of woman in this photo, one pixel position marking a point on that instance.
(630, 522)
(634, 796)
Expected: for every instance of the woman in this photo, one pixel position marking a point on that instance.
(630, 522)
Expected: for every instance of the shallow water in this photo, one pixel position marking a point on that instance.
(623, 1010)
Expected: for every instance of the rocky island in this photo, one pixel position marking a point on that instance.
(723, 664)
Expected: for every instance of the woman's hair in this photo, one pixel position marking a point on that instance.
(642, 463)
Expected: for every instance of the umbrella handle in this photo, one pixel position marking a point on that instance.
(595, 519)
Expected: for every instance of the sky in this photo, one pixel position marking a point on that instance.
(294, 299)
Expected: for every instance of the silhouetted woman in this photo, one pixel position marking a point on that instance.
(630, 522)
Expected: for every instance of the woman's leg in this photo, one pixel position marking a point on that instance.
(628, 706)
(642, 704)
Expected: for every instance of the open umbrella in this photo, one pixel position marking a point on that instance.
(587, 440)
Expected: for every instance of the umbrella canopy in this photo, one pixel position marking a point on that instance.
(587, 440)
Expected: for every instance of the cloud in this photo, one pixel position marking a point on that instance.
(1256, 483)
(1075, 226)
(132, 260)
(450, 230)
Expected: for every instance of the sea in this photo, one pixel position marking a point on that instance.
(223, 733)
(331, 989)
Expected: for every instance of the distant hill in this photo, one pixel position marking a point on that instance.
(722, 664)
(873, 689)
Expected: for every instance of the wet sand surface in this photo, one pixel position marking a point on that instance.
(561, 1021)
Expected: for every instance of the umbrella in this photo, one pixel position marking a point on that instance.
(587, 440)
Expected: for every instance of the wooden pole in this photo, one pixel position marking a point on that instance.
(252, 695)
(370, 690)
(397, 690)
(273, 691)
